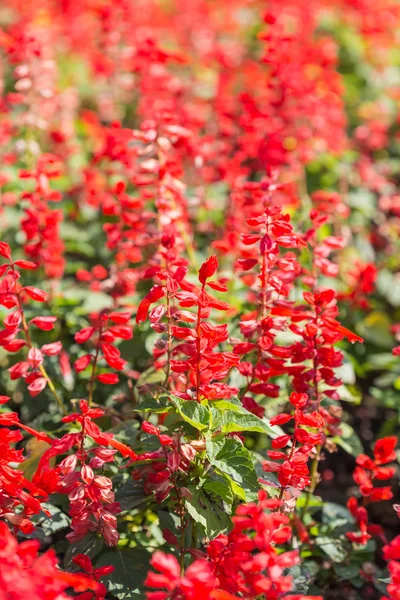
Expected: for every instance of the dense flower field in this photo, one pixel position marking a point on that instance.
(199, 299)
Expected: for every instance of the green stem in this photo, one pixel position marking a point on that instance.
(53, 389)
(182, 542)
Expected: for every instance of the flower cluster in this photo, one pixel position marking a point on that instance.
(23, 571)
(199, 292)
(92, 505)
(245, 562)
(367, 474)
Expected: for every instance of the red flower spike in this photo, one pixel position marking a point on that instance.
(270, 115)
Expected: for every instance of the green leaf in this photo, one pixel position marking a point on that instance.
(125, 432)
(216, 419)
(313, 502)
(346, 572)
(389, 286)
(349, 440)
(130, 570)
(35, 450)
(150, 376)
(92, 301)
(91, 545)
(194, 413)
(55, 522)
(233, 461)
(375, 328)
(238, 421)
(332, 512)
(365, 549)
(349, 393)
(332, 547)
(172, 522)
(384, 361)
(130, 494)
(212, 516)
(221, 488)
(155, 405)
(235, 417)
(302, 575)
(231, 404)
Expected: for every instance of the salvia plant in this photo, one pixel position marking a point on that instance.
(199, 299)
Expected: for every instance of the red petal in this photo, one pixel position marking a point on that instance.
(208, 268)
(108, 378)
(35, 293)
(44, 323)
(26, 264)
(5, 250)
(82, 363)
(84, 334)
